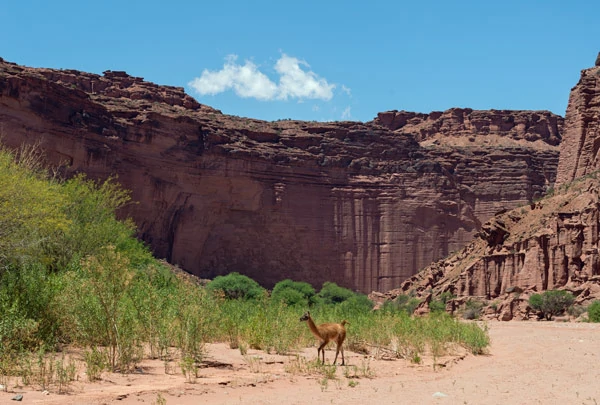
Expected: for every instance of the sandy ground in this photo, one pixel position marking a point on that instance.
(528, 363)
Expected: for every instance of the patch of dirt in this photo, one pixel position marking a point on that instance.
(528, 363)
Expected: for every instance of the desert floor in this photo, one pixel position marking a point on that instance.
(528, 363)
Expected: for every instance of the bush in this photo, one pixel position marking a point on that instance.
(331, 293)
(551, 303)
(437, 306)
(236, 285)
(594, 311)
(472, 309)
(96, 307)
(294, 293)
(358, 303)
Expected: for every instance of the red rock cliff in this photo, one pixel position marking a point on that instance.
(358, 204)
(579, 153)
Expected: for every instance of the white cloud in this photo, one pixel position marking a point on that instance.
(346, 90)
(246, 81)
(296, 81)
(346, 114)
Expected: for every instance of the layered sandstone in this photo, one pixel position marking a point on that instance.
(452, 126)
(580, 152)
(359, 204)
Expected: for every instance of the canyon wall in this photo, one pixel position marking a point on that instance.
(365, 205)
(551, 244)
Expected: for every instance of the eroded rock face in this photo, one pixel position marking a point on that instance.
(358, 204)
(552, 244)
(451, 125)
(579, 153)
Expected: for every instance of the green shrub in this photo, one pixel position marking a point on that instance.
(437, 306)
(551, 303)
(25, 296)
(404, 303)
(91, 209)
(536, 302)
(96, 307)
(446, 296)
(472, 309)
(357, 304)
(331, 293)
(294, 293)
(236, 285)
(594, 311)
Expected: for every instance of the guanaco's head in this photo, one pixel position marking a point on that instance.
(305, 316)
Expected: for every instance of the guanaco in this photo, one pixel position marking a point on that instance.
(327, 332)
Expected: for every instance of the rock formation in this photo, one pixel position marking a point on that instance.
(459, 123)
(579, 154)
(551, 244)
(365, 205)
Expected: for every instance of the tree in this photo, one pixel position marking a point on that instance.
(551, 303)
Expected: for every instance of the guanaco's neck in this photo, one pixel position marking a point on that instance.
(313, 327)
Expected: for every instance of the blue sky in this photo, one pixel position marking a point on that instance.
(320, 60)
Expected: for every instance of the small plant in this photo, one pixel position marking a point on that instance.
(95, 361)
(65, 374)
(189, 369)
(365, 369)
(328, 371)
(594, 311)
(243, 346)
(254, 363)
(160, 400)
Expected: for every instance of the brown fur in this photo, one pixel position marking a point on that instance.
(327, 332)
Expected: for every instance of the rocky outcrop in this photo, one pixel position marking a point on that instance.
(450, 126)
(355, 203)
(580, 151)
(552, 244)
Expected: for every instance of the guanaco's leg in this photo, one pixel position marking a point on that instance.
(322, 349)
